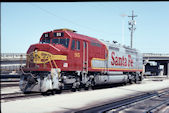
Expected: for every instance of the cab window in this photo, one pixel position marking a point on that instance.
(62, 41)
(45, 41)
(73, 44)
(56, 41)
(77, 45)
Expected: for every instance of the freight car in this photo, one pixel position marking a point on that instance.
(65, 59)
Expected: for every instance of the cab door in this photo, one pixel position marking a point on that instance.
(76, 55)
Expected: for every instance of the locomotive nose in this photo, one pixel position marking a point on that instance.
(44, 53)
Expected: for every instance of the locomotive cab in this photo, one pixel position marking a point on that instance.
(51, 61)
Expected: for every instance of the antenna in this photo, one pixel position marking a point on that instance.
(132, 23)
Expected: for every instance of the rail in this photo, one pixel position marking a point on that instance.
(18, 95)
(129, 102)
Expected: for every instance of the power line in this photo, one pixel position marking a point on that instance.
(53, 14)
(69, 21)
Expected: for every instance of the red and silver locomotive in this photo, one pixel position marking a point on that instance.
(65, 59)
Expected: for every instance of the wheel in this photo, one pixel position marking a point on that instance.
(93, 85)
(136, 78)
(73, 89)
(44, 93)
(53, 92)
(58, 91)
(125, 83)
(79, 88)
(140, 77)
(130, 81)
(86, 88)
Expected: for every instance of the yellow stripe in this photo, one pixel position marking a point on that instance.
(59, 57)
(116, 68)
(98, 59)
(40, 57)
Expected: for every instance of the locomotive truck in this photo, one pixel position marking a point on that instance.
(64, 59)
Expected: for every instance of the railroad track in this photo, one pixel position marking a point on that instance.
(9, 84)
(18, 95)
(144, 103)
(7, 80)
(21, 95)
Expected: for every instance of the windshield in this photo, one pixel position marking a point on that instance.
(62, 41)
(45, 41)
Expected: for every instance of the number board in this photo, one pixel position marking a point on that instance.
(46, 35)
(58, 34)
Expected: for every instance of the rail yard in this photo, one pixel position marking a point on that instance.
(149, 96)
(84, 57)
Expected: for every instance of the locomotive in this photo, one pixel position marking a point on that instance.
(64, 59)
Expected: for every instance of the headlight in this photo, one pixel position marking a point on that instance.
(58, 70)
(36, 50)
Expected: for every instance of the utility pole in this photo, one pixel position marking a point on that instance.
(132, 23)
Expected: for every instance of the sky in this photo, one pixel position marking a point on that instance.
(22, 23)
